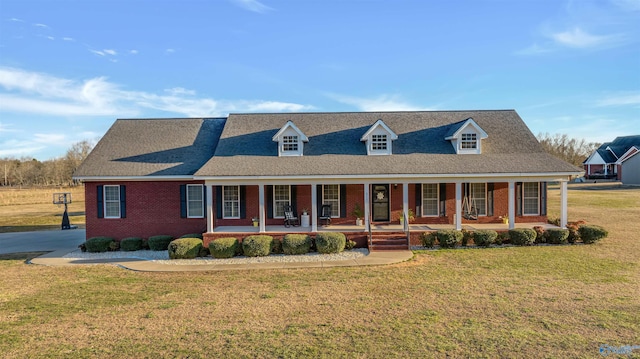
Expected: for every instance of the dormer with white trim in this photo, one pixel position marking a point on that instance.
(290, 140)
(467, 139)
(378, 139)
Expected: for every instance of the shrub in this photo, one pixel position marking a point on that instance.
(192, 235)
(98, 244)
(224, 247)
(145, 243)
(204, 251)
(554, 220)
(502, 237)
(184, 248)
(484, 237)
(428, 239)
(540, 237)
(349, 245)
(159, 243)
(573, 227)
(466, 237)
(591, 233)
(522, 236)
(114, 246)
(330, 242)
(557, 235)
(449, 238)
(131, 244)
(257, 246)
(276, 246)
(296, 244)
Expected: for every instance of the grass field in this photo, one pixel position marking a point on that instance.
(32, 209)
(524, 302)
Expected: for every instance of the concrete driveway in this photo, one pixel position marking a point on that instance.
(41, 241)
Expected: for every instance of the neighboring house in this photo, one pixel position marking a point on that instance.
(177, 176)
(611, 159)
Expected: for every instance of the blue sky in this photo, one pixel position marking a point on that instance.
(68, 69)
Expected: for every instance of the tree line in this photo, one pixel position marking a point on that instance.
(28, 171)
(572, 150)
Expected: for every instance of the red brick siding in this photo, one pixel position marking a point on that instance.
(152, 208)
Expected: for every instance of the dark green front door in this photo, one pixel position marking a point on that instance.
(380, 203)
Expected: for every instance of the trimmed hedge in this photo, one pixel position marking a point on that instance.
(159, 243)
(192, 235)
(449, 238)
(99, 244)
(556, 235)
(522, 236)
(296, 244)
(257, 246)
(591, 233)
(224, 247)
(184, 248)
(484, 237)
(276, 246)
(350, 244)
(131, 244)
(428, 239)
(330, 242)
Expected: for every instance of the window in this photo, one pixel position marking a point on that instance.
(430, 199)
(281, 198)
(112, 201)
(468, 141)
(290, 143)
(378, 142)
(195, 201)
(231, 202)
(478, 197)
(530, 199)
(331, 195)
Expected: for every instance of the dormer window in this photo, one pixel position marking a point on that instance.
(290, 140)
(378, 139)
(469, 141)
(466, 137)
(378, 142)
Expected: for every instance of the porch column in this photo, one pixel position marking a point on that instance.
(589, 169)
(262, 214)
(209, 193)
(606, 168)
(367, 206)
(563, 204)
(405, 202)
(314, 207)
(458, 216)
(512, 207)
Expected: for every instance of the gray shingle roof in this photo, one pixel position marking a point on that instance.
(620, 146)
(334, 148)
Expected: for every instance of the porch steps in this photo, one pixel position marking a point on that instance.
(388, 242)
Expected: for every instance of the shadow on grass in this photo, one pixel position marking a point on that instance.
(21, 256)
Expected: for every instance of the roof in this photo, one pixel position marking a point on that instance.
(153, 147)
(619, 146)
(334, 148)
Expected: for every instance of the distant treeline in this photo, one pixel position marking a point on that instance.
(28, 171)
(572, 150)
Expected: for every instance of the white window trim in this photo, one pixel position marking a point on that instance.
(283, 143)
(223, 202)
(104, 195)
(537, 201)
(437, 201)
(462, 141)
(275, 206)
(289, 129)
(189, 200)
(486, 197)
(323, 199)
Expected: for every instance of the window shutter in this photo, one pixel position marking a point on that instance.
(100, 201)
(243, 202)
(418, 199)
(219, 202)
(183, 201)
(343, 201)
(518, 198)
(269, 194)
(443, 199)
(319, 198)
(543, 198)
(294, 199)
(204, 200)
(123, 201)
(490, 199)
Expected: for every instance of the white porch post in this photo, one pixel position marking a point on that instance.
(563, 204)
(405, 202)
(262, 214)
(606, 168)
(589, 169)
(367, 206)
(209, 193)
(512, 207)
(458, 206)
(314, 207)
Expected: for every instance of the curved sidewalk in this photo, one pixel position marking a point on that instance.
(143, 265)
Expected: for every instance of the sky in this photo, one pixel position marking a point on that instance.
(69, 69)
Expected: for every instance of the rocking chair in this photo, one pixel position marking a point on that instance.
(290, 219)
(325, 214)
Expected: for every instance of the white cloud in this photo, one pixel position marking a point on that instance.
(180, 91)
(110, 52)
(577, 38)
(622, 99)
(51, 38)
(381, 103)
(252, 5)
(534, 49)
(41, 25)
(133, 52)
(16, 20)
(97, 52)
(16, 148)
(169, 51)
(68, 39)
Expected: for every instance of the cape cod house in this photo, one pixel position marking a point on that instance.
(615, 160)
(448, 169)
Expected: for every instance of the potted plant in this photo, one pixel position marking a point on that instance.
(358, 213)
(255, 221)
(412, 216)
(505, 219)
(304, 218)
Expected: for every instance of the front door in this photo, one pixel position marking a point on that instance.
(380, 201)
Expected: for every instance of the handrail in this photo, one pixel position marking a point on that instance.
(405, 227)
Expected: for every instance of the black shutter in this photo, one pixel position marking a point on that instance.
(269, 195)
(123, 201)
(218, 202)
(418, 198)
(490, 187)
(319, 199)
(204, 201)
(543, 198)
(100, 201)
(294, 199)
(183, 201)
(518, 198)
(243, 202)
(443, 199)
(343, 201)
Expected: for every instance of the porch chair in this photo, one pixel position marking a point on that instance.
(290, 219)
(325, 214)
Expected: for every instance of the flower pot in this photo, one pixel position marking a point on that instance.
(304, 220)
(256, 223)
(359, 222)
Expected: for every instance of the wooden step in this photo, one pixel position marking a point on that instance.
(387, 247)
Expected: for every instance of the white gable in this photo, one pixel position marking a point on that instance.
(378, 139)
(290, 140)
(594, 159)
(467, 139)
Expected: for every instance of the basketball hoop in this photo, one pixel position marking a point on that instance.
(63, 198)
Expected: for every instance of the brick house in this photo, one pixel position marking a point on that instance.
(449, 168)
(611, 158)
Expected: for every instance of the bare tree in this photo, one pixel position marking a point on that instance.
(572, 150)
